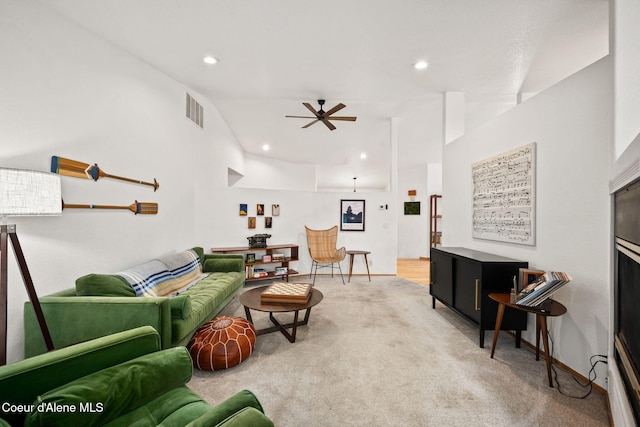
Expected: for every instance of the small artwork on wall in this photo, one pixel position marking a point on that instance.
(267, 222)
(275, 209)
(260, 209)
(243, 209)
(412, 208)
(252, 222)
(352, 215)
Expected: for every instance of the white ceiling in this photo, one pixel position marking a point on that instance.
(274, 55)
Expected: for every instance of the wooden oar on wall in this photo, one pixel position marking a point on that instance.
(77, 169)
(144, 208)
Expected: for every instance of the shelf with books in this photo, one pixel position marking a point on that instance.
(259, 260)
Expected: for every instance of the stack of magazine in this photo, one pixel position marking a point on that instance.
(537, 286)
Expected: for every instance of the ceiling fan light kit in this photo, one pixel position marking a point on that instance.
(324, 116)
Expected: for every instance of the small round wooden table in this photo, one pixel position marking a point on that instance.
(252, 299)
(366, 262)
(547, 308)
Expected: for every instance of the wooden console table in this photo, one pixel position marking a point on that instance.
(546, 309)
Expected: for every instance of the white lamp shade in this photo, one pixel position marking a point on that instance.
(29, 193)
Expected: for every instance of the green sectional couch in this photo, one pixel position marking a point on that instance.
(102, 304)
(123, 379)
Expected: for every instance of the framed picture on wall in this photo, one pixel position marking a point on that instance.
(412, 208)
(351, 215)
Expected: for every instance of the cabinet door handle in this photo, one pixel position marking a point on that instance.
(477, 288)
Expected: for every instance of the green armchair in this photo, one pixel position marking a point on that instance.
(122, 379)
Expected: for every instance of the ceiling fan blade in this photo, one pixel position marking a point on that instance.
(334, 109)
(343, 118)
(328, 124)
(312, 123)
(301, 117)
(310, 108)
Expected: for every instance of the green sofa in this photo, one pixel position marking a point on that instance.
(102, 304)
(123, 379)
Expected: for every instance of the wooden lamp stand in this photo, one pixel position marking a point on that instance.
(9, 232)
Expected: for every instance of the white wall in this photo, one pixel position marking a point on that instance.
(273, 174)
(420, 134)
(626, 46)
(65, 92)
(219, 224)
(413, 230)
(571, 123)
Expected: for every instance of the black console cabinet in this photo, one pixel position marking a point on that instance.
(462, 279)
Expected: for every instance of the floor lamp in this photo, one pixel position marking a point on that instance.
(23, 193)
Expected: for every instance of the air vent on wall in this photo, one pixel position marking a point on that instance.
(195, 113)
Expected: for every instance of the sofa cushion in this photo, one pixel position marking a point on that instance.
(118, 390)
(180, 306)
(107, 285)
(174, 408)
(149, 279)
(221, 265)
(241, 409)
(206, 296)
(200, 252)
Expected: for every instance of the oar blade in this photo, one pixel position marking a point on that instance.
(73, 168)
(144, 208)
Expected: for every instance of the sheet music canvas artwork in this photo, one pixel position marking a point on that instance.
(504, 196)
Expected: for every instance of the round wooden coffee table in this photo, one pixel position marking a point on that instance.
(251, 299)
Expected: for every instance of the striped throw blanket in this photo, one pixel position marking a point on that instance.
(166, 276)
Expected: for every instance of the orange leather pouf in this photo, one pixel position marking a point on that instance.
(222, 342)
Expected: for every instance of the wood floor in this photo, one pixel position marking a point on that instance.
(414, 269)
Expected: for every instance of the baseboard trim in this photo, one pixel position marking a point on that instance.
(596, 387)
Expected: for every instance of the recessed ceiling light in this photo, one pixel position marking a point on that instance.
(210, 60)
(363, 156)
(265, 147)
(420, 65)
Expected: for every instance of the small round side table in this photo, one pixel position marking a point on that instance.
(366, 262)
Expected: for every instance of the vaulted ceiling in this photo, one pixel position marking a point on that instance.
(274, 55)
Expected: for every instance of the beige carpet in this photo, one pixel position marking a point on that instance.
(376, 354)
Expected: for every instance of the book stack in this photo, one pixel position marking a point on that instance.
(259, 272)
(537, 292)
(281, 271)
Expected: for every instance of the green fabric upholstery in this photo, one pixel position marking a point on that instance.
(103, 304)
(243, 409)
(106, 285)
(128, 380)
(73, 319)
(120, 389)
(176, 407)
(223, 265)
(22, 382)
(180, 306)
(246, 417)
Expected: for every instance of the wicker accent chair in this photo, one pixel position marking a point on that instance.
(323, 249)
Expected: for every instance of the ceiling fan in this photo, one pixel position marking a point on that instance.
(324, 116)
